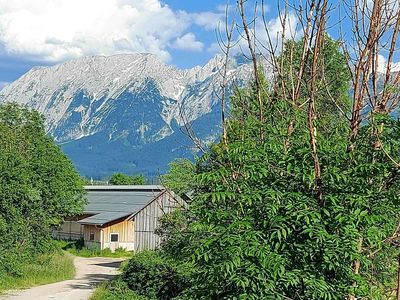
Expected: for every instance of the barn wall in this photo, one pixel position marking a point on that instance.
(87, 229)
(70, 230)
(126, 232)
(146, 221)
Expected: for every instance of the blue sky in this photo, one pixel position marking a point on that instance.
(180, 32)
(47, 32)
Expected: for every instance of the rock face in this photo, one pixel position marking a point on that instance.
(125, 113)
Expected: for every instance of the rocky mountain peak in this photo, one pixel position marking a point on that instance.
(134, 100)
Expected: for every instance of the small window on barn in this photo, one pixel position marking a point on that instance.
(91, 236)
(114, 237)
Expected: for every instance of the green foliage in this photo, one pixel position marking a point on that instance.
(115, 290)
(39, 269)
(39, 187)
(180, 177)
(256, 228)
(152, 275)
(333, 77)
(123, 179)
(77, 248)
(263, 235)
(172, 230)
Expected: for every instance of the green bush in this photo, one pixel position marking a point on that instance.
(77, 248)
(37, 270)
(115, 290)
(152, 275)
(172, 230)
(39, 187)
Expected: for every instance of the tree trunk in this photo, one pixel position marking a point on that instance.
(398, 278)
(356, 266)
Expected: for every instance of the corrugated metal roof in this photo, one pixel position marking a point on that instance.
(109, 203)
(125, 187)
(103, 218)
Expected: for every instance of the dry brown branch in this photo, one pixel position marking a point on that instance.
(320, 19)
(375, 31)
(253, 58)
(226, 47)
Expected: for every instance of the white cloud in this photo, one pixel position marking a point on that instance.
(56, 30)
(274, 27)
(382, 65)
(214, 48)
(188, 42)
(208, 20)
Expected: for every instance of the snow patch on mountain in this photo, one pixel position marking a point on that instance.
(77, 96)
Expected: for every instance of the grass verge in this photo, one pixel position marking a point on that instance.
(78, 249)
(42, 269)
(115, 290)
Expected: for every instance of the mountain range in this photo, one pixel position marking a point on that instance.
(126, 113)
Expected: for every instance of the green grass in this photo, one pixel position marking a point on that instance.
(115, 290)
(78, 249)
(43, 269)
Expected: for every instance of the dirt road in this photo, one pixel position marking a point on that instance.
(89, 273)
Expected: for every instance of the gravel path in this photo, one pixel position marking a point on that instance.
(89, 273)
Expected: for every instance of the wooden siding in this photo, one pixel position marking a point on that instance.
(87, 229)
(70, 230)
(124, 228)
(146, 221)
(126, 235)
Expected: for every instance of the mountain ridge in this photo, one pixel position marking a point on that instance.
(131, 101)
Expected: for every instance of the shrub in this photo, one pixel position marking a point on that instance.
(37, 270)
(150, 274)
(79, 249)
(115, 290)
(172, 230)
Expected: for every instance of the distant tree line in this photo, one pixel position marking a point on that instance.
(124, 179)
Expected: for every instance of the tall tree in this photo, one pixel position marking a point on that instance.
(39, 186)
(180, 177)
(265, 225)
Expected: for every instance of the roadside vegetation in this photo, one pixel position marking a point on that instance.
(39, 187)
(148, 275)
(41, 269)
(77, 248)
(116, 289)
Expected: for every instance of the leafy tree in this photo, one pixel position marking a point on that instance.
(257, 229)
(180, 177)
(333, 80)
(39, 186)
(139, 179)
(123, 179)
(151, 274)
(172, 229)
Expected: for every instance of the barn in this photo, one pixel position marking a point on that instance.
(121, 216)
